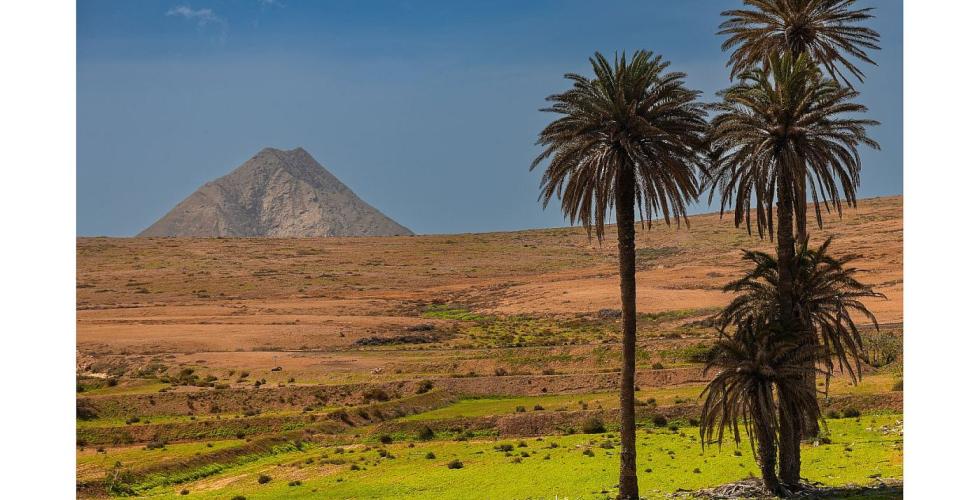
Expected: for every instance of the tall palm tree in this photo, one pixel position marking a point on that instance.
(781, 131)
(825, 30)
(756, 367)
(630, 137)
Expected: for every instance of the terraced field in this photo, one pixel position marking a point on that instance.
(207, 364)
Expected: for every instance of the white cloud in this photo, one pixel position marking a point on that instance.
(202, 16)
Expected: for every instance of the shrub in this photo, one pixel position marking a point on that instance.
(593, 425)
(424, 387)
(658, 366)
(588, 452)
(238, 497)
(606, 445)
(185, 491)
(430, 456)
(264, 479)
(659, 420)
(520, 409)
(504, 447)
(385, 439)
(376, 394)
(455, 464)
(673, 427)
(500, 372)
(833, 414)
(851, 412)
(132, 420)
(156, 445)
(296, 482)
(538, 408)
(522, 444)
(426, 433)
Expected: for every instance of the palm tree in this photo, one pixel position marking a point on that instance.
(825, 292)
(756, 367)
(780, 132)
(629, 137)
(825, 30)
(777, 133)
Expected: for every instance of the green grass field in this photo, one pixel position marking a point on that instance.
(554, 466)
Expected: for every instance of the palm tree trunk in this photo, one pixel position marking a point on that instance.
(625, 189)
(789, 435)
(767, 454)
(789, 447)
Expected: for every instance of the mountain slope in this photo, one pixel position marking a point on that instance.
(276, 193)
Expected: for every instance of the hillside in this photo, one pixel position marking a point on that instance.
(276, 193)
(229, 287)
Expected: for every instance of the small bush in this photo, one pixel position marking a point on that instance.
(593, 425)
(424, 387)
(264, 479)
(385, 439)
(507, 447)
(538, 408)
(522, 444)
(606, 445)
(520, 409)
(851, 412)
(296, 482)
(430, 456)
(833, 414)
(588, 452)
(426, 433)
(185, 491)
(660, 421)
(658, 366)
(455, 464)
(239, 497)
(500, 372)
(376, 394)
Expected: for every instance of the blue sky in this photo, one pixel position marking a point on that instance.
(427, 109)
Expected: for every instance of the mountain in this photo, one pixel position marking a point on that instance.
(276, 193)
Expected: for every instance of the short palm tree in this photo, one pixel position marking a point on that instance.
(826, 293)
(630, 137)
(825, 30)
(757, 366)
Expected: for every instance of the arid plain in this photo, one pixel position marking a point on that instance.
(206, 364)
